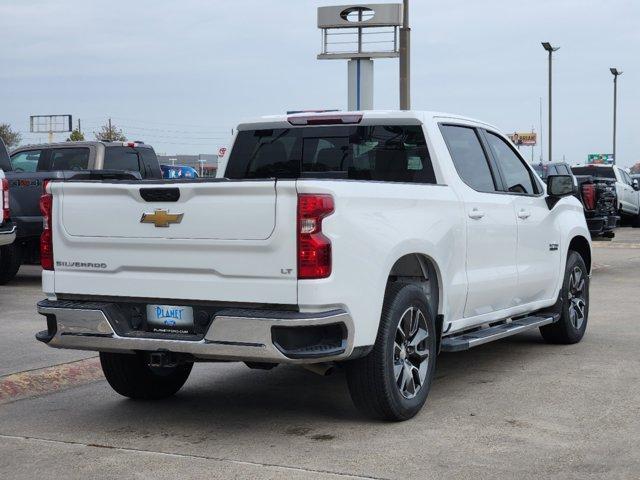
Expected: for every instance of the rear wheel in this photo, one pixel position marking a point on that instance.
(392, 382)
(10, 260)
(131, 376)
(574, 304)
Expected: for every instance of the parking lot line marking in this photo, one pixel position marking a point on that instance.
(193, 456)
(44, 381)
(615, 245)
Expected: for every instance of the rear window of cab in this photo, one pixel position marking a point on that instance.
(388, 153)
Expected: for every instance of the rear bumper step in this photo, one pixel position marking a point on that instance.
(458, 343)
(234, 334)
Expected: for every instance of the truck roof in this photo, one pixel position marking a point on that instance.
(81, 144)
(367, 115)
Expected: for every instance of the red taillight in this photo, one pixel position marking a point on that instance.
(314, 249)
(46, 239)
(5, 199)
(589, 196)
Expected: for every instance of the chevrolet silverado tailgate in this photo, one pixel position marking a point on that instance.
(231, 241)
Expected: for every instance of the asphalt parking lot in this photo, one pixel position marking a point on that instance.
(516, 408)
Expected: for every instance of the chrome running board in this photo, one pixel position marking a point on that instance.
(465, 341)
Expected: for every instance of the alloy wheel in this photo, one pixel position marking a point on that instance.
(577, 297)
(411, 352)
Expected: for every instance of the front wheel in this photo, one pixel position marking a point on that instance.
(392, 382)
(131, 376)
(574, 304)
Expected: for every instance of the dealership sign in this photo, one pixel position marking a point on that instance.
(600, 158)
(529, 139)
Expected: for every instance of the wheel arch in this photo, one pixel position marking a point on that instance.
(422, 270)
(581, 245)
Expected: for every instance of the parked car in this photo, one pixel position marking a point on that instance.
(329, 238)
(178, 171)
(627, 191)
(32, 165)
(554, 168)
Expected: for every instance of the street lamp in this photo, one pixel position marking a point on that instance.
(547, 46)
(616, 73)
(405, 59)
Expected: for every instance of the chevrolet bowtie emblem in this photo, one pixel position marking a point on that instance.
(161, 218)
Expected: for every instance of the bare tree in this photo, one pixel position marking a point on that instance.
(11, 137)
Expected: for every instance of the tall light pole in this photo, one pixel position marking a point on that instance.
(405, 59)
(547, 46)
(616, 73)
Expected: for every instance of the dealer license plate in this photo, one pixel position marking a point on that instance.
(170, 318)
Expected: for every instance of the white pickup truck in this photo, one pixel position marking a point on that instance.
(370, 240)
(7, 228)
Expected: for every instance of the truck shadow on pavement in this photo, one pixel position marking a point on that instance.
(229, 396)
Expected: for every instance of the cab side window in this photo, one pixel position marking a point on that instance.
(26, 161)
(517, 177)
(70, 159)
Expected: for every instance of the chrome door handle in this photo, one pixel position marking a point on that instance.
(476, 214)
(524, 214)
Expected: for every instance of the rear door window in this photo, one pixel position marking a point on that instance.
(122, 158)
(377, 153)
(26, 161)
(469, 157)
(69, 159)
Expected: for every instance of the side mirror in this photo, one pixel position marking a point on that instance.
(559, 186)
(636, 185)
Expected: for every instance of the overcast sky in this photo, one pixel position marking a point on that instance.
(181, 74)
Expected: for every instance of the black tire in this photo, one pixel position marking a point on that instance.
(131, 376)
(372, 381)
(635, 223)
(568, 330)
(10, 260)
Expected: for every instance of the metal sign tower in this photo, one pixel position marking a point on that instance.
(360, 34)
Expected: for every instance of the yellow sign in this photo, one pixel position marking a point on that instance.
(529, 139)
(161, 218)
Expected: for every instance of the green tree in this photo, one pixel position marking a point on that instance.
(11, 137)
(76, 136)
(110, 133)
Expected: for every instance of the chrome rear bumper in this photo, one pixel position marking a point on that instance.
(7, 234)
(240, 335)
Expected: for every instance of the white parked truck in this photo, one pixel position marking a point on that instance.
(7, 227)
(368, 240)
